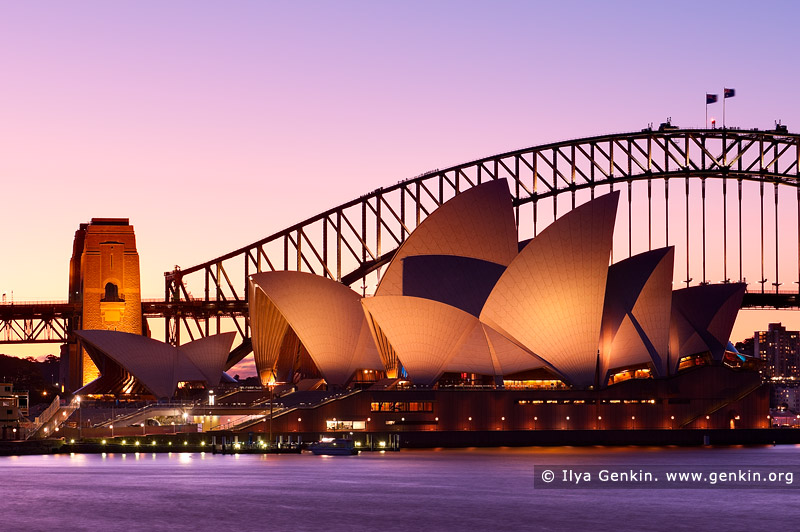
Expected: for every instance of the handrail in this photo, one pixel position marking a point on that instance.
(46, 415)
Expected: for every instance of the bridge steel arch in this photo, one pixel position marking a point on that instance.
(351, 242)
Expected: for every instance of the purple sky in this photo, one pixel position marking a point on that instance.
(211, 125)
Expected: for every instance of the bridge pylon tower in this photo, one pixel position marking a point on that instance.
(104, 282)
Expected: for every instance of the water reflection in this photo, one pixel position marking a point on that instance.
(420, 490)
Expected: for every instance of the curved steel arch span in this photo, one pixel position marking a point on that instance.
(351, 242)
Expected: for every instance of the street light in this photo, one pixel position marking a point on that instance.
(80, 418)
(633, 422)
(271, 401)
(112, 431)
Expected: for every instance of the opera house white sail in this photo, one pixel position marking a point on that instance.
(478, 223)
(702, 320)
(157, 366)
(550, 298)
(636, 317)
(325, 315)
(431, 337)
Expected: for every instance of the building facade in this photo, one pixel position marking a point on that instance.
(780, 351)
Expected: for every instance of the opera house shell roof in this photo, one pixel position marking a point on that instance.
(326, 317)
(462, 296)
(132, 363)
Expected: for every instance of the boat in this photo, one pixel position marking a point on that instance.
(334, 447)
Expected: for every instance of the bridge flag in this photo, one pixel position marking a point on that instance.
(726, 93)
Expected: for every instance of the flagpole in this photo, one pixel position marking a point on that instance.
(706, 110)
(723, 107)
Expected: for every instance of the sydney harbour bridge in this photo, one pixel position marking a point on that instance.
(727, 199)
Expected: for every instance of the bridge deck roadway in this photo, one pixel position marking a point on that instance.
(39, 310)
(771, 300)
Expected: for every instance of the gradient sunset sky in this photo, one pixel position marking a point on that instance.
(214, 124)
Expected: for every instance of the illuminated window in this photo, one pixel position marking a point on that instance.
(414, 406)
(345, 425)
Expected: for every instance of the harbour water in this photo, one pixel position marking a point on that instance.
(471, 489)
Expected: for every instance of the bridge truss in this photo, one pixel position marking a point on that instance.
(727, 199)
(41, 322)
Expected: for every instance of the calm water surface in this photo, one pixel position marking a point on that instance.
(407, 490)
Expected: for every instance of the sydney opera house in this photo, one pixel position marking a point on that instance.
(464, 308)
(470, 329)
(463, 302)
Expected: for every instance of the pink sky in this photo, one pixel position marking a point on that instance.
(213, 124)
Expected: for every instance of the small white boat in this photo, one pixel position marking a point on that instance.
(334, 447)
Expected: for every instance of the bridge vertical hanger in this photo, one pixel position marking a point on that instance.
(725, 207)
(798, 238)
(206, 291)
(630, 220)
(572, 175)
(325, 242)
(555, 207)
(761, 201)
(591, 168)
(516, 193)
(703, 195)
(688, 279)
(299, 250)
(777, 246)
(630, 193)
(419, 197)
(762, 280)
(363, 231)
(378, 201)
(216, 277)
(339, 244)
(725, 229)
(649, 214)
(611, 177)
(403, 192)
(739, 186)
(535, 189)
(649, 192)
(686, 169)
(554, 183)
(666, 212)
